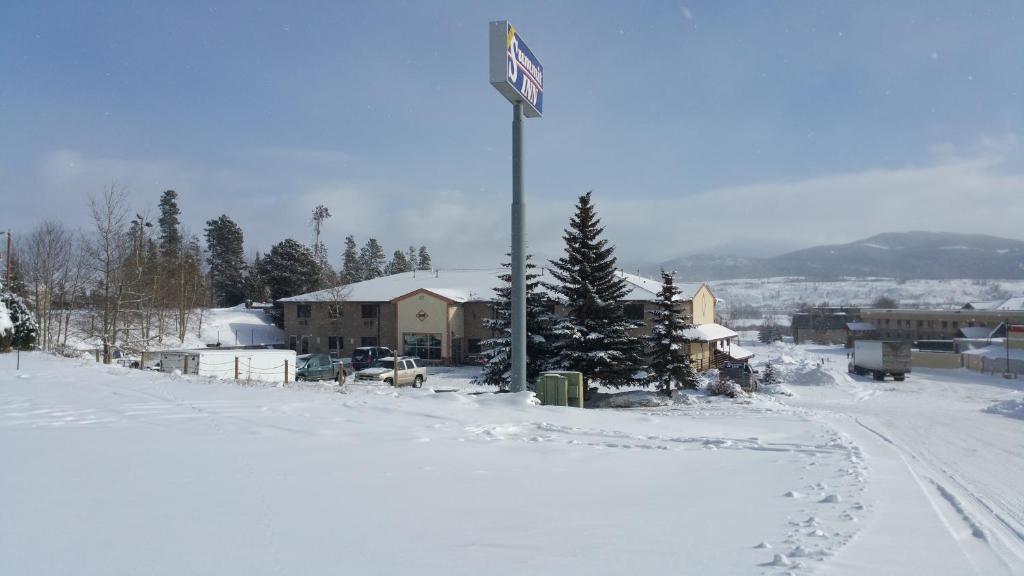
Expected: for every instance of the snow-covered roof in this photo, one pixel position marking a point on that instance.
(983, 305)
(709, 332)
(997, 351)
(465, 286)
(978, 332)
(1015, 303)
(860, 326)
(647, 289)
(739, 352)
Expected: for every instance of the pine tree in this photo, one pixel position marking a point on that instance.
(413, 258)
(351, 270)
(327, 276)
(255, 287)
(539, 321)
(670, 366)
(423, 259)
(226, 257)
(170, 232)
(372, 259)
(593, 337)
(18, 327)
(770, 376)
(399, 263)
(289, 269)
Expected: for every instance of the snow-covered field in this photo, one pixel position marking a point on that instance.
(113, 471)
(786, 293)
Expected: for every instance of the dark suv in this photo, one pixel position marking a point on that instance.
(365, 357)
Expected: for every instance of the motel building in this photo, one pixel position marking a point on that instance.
(438, 316)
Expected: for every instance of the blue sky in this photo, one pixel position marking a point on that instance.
(699, 125)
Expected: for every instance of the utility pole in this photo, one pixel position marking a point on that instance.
(518, 342)
(7, 276)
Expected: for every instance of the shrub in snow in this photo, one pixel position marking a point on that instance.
(770, 376)
(17, 324)
(725, 387)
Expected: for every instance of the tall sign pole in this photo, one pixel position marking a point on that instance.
(519, 76)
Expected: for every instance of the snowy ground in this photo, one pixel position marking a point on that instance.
(113, 471)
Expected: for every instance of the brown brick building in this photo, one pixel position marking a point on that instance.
(438, 315)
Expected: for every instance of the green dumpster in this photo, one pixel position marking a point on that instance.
(573, 388)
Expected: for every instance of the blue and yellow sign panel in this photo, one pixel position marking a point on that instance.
(515, 71)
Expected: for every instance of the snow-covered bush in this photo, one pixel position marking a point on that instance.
(17, 324)
(725, 387)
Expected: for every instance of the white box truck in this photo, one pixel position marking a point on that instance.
(880, 358)
(252, 364)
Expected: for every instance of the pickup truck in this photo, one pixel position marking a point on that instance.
(316, 367)
(410, 371)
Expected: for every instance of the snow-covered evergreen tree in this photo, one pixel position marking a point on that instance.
(413, 258)
(670, 366)
(255, 286)
(170, 231)
(18, 327)
(226, 257)
(398, 264)
(539, 321)
(372, 259)
(289, 269)
(593, 337)
(423, 259)
(770, 376)
(351, 267)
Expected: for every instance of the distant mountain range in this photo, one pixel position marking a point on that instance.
(925, 255)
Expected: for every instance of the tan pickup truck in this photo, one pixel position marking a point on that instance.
(410, 371)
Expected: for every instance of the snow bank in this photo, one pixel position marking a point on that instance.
(633, 399)
(1011, 408)
(5, 320)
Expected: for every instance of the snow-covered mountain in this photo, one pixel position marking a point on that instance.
(935, 255)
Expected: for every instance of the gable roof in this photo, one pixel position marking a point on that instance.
(467, 286)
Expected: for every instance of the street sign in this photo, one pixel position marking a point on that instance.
(515, 71)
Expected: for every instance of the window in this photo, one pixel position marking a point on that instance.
(369, 311)
(634, 311)
(473, 346)
(305, 345)
(335, 343)
(335, 310)
(304, 311)
(956, 325)
(293, 343)
(368, 341)
(920, 323)
(422, 346)
(945, 324)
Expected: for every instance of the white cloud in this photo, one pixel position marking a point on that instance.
(270, 193)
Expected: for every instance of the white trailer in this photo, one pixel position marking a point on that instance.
(231, 363)
(880, 358)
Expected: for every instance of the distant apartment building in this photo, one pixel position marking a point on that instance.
(823, 324)
(913, 325)
(438, 316)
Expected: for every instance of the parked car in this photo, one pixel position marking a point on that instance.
(410, 371)
(315, 367)
(365, 357)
